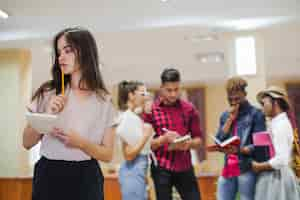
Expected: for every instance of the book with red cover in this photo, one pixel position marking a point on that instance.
(232, 141)
(263, 146)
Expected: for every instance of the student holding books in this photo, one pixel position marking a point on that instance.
(135, 136)
(276, 179)
(173, 117)
(68, 168)
(242, 120)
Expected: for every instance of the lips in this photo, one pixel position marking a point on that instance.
(63, 65)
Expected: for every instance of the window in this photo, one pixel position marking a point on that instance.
(245, 56)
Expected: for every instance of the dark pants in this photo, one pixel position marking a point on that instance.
(184, 182)
(62, 180)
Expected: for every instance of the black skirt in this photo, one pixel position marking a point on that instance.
(67, 180)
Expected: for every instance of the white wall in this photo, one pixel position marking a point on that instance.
(13, 76)
(142, 55)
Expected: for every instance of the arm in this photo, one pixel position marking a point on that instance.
(263, 166)
(104, 151)
(160, 140)
(130, 152)
(221, 135)
(283, 143)
(259, 124)
(30, 137)
(195, 143)
(196, 132)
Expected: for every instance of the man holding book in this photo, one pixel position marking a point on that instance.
(242, 120)
(173, 119)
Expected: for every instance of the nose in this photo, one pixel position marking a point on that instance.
(173, 94)
(61, 57)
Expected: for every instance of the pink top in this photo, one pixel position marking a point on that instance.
(90, 118)
(231, 169)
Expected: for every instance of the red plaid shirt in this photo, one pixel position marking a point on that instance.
(183, 118)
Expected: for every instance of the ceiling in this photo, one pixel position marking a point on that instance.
(41, 18)
(144, 36)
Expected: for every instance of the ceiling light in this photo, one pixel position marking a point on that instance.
(3, 14)
(163, 0)
(210, 57)
(204, 60)
(201, 38)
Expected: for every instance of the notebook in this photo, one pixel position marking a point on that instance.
(232, 141)
(263, 146)
(42, 123)
(178, 141)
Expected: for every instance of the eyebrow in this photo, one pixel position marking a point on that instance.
(67, 46)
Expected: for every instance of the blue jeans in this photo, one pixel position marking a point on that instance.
(229, 187)
(132, 178)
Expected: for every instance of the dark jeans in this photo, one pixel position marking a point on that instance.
(184, 182)
(62, 180)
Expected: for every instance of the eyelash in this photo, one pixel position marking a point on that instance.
(67, 51)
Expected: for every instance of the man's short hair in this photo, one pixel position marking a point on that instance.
(170, 75)
(236, 84)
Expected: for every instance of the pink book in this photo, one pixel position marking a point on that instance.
(264, 139)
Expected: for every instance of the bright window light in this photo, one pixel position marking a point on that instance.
(3, 14)
(245, 56)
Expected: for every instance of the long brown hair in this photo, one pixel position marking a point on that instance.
(84, 44)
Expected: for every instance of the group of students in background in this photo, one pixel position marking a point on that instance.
(88, 124)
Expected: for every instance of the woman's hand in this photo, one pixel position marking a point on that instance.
(147, 131)
(71, 139)
(256, 166)
(56, 104)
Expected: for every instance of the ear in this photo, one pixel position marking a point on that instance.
(130, 96)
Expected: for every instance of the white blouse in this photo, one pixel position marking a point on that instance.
(282, 138)
(130, 130)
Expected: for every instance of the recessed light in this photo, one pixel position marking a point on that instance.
(204, 60)
(3, 14)
(210, 57)
(201, 38)
(163, 0)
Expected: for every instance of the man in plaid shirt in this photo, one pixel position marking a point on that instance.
(172, 117)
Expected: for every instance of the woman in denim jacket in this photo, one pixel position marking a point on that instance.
(242, 119)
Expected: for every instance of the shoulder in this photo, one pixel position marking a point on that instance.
(186, 105)
(224, 114)
(105, 105)
(283, 128)
(45, 95)
(256, 112)
(104, 99)
(285, 123)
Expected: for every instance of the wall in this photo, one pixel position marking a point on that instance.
(142, 55)
(14, 81)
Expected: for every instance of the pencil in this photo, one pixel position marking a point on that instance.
(62, 82)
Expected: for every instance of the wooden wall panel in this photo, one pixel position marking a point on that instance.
(21, 188)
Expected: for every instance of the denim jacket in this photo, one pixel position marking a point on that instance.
(249, 121)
